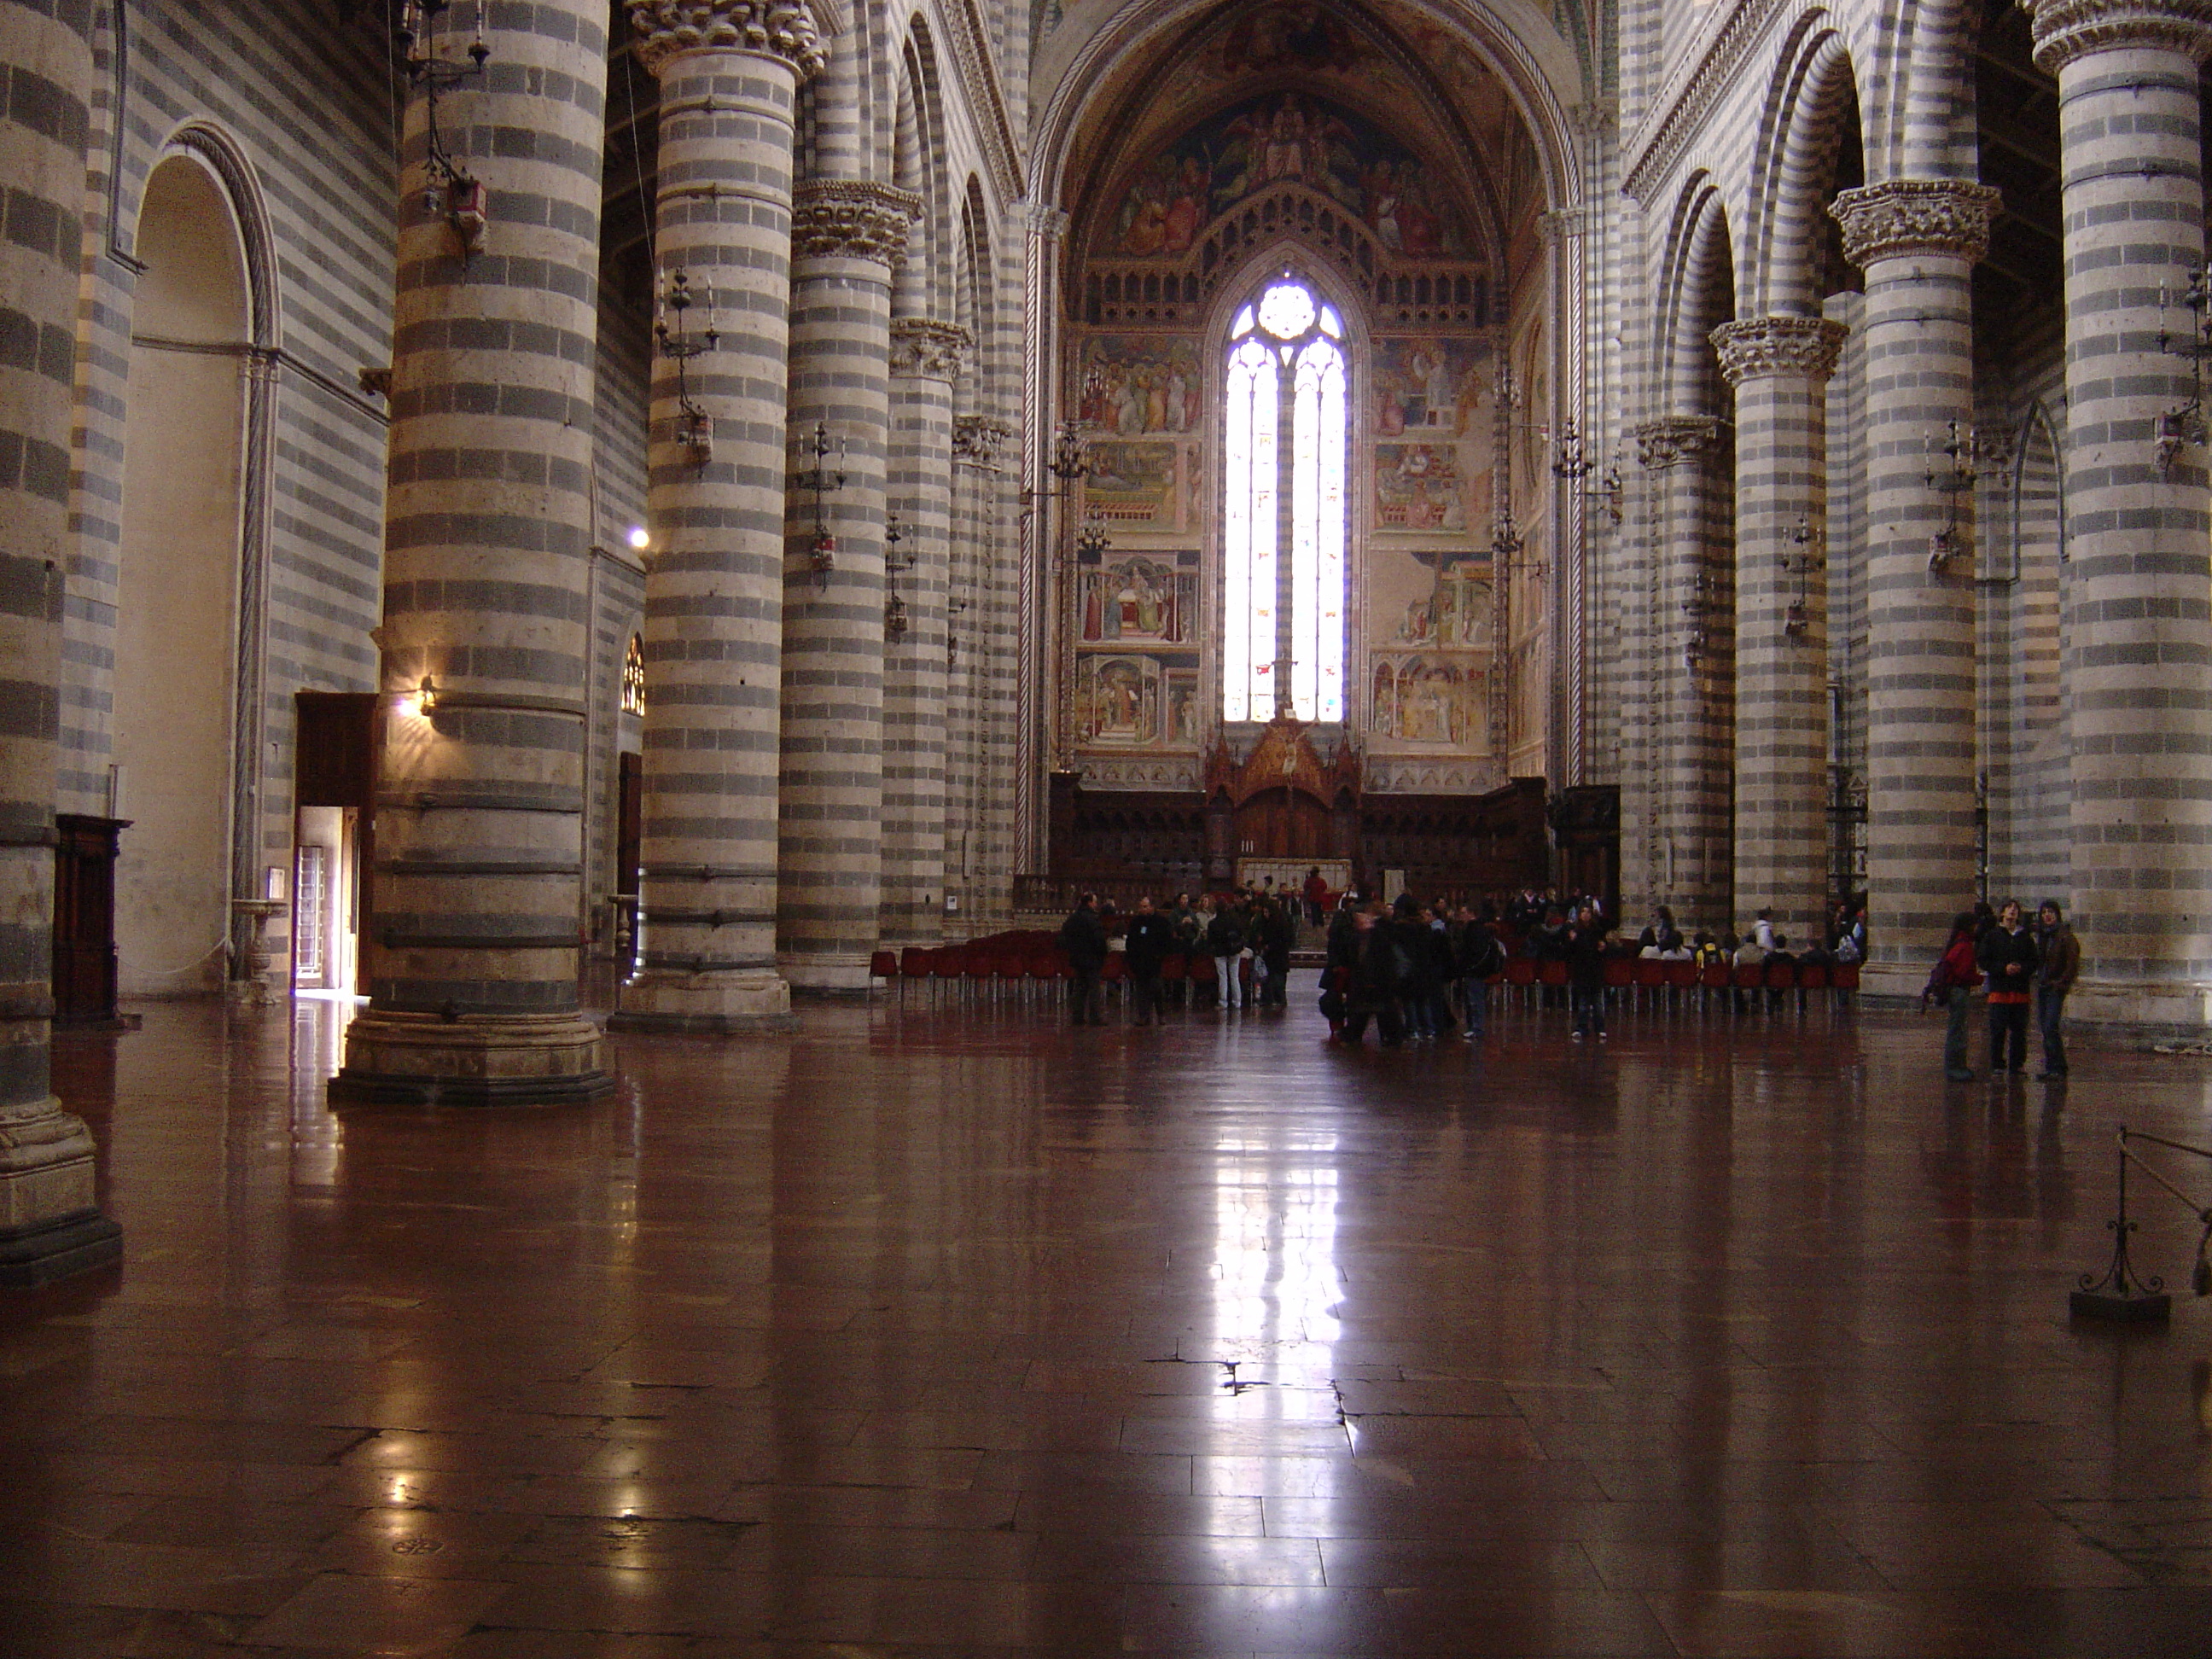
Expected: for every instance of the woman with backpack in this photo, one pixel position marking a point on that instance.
(1952, 982)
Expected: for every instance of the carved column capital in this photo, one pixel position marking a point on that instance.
(774, 28)
(1675, 439)
(1766, 346)
(925, 348)
(852, 219)
(2067, 29)
(978, 438)
(1904, 216)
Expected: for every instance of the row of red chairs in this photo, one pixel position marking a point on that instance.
(1004, 961)
(1650, 978)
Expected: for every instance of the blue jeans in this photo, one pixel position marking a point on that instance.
(1478, 1005)
(2050, 1013)
(1960, 1004)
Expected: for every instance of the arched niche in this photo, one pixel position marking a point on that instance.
(177, 584)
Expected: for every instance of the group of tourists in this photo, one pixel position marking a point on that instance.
(2025, 968)
(1246, 936)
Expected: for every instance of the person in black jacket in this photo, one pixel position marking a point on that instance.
(1585, 948)
(1480, 957)
(1144, 947)
(1083, 936)
(2008, 954)
(1381, 969)
(1278, 932)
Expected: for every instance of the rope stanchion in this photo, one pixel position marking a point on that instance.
(2122, 1294)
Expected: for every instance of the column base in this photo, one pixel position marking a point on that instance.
(1893, 985)
(749, 1000)
(395, 1059)
(2178, 1008)
(50, 1227)
(828, 975)
(57, 1249)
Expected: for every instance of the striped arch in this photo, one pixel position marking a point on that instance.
(932, 247)
(214, 148)
(1813, 96)
(1698, 294)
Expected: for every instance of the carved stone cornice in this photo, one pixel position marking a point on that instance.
(977, 439)
(774, 28)
(852, 219)
(1902, 217)
(925, 348)
(1675, 439)
(1558, 225)
(1765, 346)
(2067, 29)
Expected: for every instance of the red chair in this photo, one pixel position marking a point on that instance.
(916, 962)
(1009, 971)
(1714, 976)
(1620, 974)
(1520, 975)
(1681, 977)
(1204, 976)
(1843, 980)
(1648, 976)
(882, 965)
(1113, 977)
(946, 964)
(981, 966)
(1175, 973)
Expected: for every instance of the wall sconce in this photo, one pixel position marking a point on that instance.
(1953, 478)
(953, 609)
(2184, 424)
(451, 188)
(695, 426)
(1091, 541)
(1699, 607)
(1796, 619)
(426, 696)
(894, 617)
(1570, 457)
(1069, 462)
(893, 537)
(823, 480)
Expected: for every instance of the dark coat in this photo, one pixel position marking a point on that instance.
(1999, 951)
(1083, 936)
(1147, 943)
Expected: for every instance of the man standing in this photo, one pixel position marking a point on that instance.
(1083, 936)
(2007, 954)
(1224, 943)
(2062, 966)
(1144, 947)
(1481, 958)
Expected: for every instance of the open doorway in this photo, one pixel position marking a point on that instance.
(333, 834)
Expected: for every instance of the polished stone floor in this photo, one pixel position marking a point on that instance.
(955, 1331)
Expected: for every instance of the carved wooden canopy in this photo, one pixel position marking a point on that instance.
(1283, 758)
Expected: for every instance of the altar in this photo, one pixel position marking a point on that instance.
(1289, 875)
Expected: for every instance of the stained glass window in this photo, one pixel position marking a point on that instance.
(1287, 413)
(633, 679)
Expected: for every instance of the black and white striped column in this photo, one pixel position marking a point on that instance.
(2136, 659)
(1689, 744)
(473, 937)
(847, 235)
(714, 600)
(925, 363)
(1779, 367)
(1918, 240)
(49, 1225)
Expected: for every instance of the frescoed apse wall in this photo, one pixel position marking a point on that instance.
(1287, 140)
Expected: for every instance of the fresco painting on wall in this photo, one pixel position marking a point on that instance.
(1455, 615)
(1184, 710)
(1132, 484)
(1119, 699)
(1420, 487)
(1425, 699)
(1138, 601)
(1132, 386)
(1274, 139)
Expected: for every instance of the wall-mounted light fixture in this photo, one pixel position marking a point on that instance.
(823, 480)
(2184, 424)
(450, 188)
(695, 426)
(426, 696)
(640, 538)
(1952, 477)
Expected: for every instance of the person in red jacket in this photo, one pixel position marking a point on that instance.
(1952, 984)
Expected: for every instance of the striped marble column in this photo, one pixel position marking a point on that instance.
(1779, 367)
(925, 366)
(714, 597)
(50, 1224)
(473, 937)
(2138, 683)
(1918, 240)
(847, 235)
(1691, 752)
